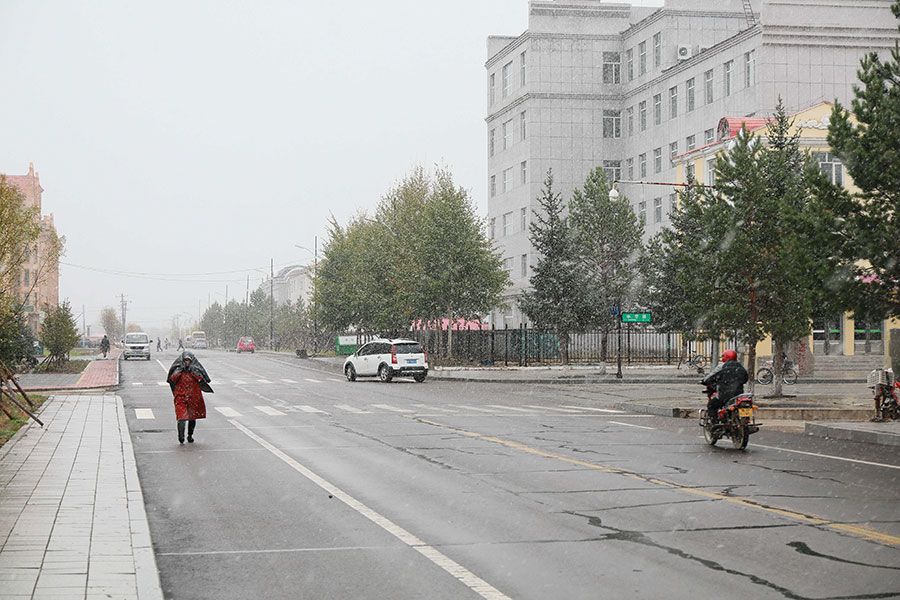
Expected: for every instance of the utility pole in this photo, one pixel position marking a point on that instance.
(272, 306)
(83, 329)
(315, 299)
(123, 315)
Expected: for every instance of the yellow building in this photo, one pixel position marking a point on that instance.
(832, 334)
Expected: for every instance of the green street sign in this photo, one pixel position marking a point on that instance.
(636, 318)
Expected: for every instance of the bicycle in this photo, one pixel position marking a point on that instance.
(766, 375)
(697, 361)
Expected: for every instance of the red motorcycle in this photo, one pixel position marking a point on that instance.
(736, 420)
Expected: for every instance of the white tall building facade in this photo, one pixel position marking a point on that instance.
(599, 84)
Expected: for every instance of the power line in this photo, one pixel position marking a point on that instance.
(175, 277)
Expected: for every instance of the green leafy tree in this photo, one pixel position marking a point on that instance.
(213, 323)
(15, 336)
(59, 333)
(236, 316)
(558, 298)
(607, 238)
(870, 149)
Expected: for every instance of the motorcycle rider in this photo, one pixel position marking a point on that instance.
(728, 378)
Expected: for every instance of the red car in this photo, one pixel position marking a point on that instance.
(245, 344)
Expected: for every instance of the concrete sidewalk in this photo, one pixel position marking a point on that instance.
(72, 518)
(99, 374)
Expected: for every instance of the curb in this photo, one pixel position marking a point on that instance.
(847, 431)
(829, 415)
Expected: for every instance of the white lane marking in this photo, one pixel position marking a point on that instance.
(852, 460)
(289, 381)
(263, 381)
(334, 379)
(603, 410)
(227, 412)
(164, 367)
(392, 408)
(631, 425)
(311, 380)
(137, 383)
(515, 408)
(467, 407)
(565, 410)
(238, 382)
(144, 413)
(270, 411)
(466, 577)
(161, 383)
(437, 408)
(309, 409)
(351, 409)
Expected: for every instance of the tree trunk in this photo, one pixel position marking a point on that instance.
(778, 367)
(450, 337)
(604, 345)
(751, 363)
(564, 347)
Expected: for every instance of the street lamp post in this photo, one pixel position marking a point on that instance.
(315, 283)
(613, 197)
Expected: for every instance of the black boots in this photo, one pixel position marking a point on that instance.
(180, 431)
(191, 424)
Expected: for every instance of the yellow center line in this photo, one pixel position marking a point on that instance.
(860, 531)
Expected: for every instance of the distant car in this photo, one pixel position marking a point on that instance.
(387, 359)
(245, 344)
(136, 345)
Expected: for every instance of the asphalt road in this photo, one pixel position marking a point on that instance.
(303, 485)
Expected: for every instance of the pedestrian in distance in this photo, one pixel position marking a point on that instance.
(159, 344)
(104, 345)
(167, 343)
(188, 380)
(180, 344)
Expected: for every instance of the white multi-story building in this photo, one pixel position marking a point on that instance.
(290, 283)
(626, 88)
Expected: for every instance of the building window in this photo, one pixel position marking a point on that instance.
(508, 264)
(491, 143)
(613, 170)
(523, 215)
(629, 167)
(708, 84)
(507, 224)
(657, 109)
(750, 68)
(493, 87)
(829, 164)
(493, 185)
(612, 126)
(629, 118)
(493, 228)
(657, 160)
(642, 164)
(507, 180)
(524, 265)
(523, 168)
(673, 202)
(27, 275)
(657, 49)
(642, 210)
(657, 210)
(673, 102)
(522, 69)
(729, 67)
(710, 173)
(506, 131)
(611, 67)
(642, 58)
(507, 79)
(689, 176)
(642, 114)
(522, 125)
(709, 136)
(690, 94)
(629, 64)
(673, 150)
(690, 143)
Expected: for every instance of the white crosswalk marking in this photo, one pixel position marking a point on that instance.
(144, 413)
(309, 409)
(392, 408)
(269, 410)
(564, 410)
(630, 425)
(263, 381)
(602, 410)
(289, 381)
(238, 382)
(227, 412)
(437, 408)
(162, 383)
(351, 409)
(515, 408)
(137, 383)
(311, 380)
(467, 407)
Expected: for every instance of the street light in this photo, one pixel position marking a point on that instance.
(613, 197)
(315, 254)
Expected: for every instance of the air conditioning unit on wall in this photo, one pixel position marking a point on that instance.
(684, 52)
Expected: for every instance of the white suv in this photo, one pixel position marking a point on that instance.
(387, 359)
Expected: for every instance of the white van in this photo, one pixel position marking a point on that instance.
(137, 344)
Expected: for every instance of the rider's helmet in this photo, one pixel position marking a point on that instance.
(729, 355)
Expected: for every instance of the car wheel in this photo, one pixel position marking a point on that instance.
(385, 374)
(419, 377)
(350, 372)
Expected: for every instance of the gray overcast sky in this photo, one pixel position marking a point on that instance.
(190, 136)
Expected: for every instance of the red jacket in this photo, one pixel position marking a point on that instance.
(188, 397)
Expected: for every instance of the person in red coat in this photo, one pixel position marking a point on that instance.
(188, 380)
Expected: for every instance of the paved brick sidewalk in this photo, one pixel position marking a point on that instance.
(100, 373)
(72, 518)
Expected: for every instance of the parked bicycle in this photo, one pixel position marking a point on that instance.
(766, 375)
(696, 361)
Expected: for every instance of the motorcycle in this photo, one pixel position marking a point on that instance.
(884, 388)
(736, 420)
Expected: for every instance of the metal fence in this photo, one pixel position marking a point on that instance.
(639, 344)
